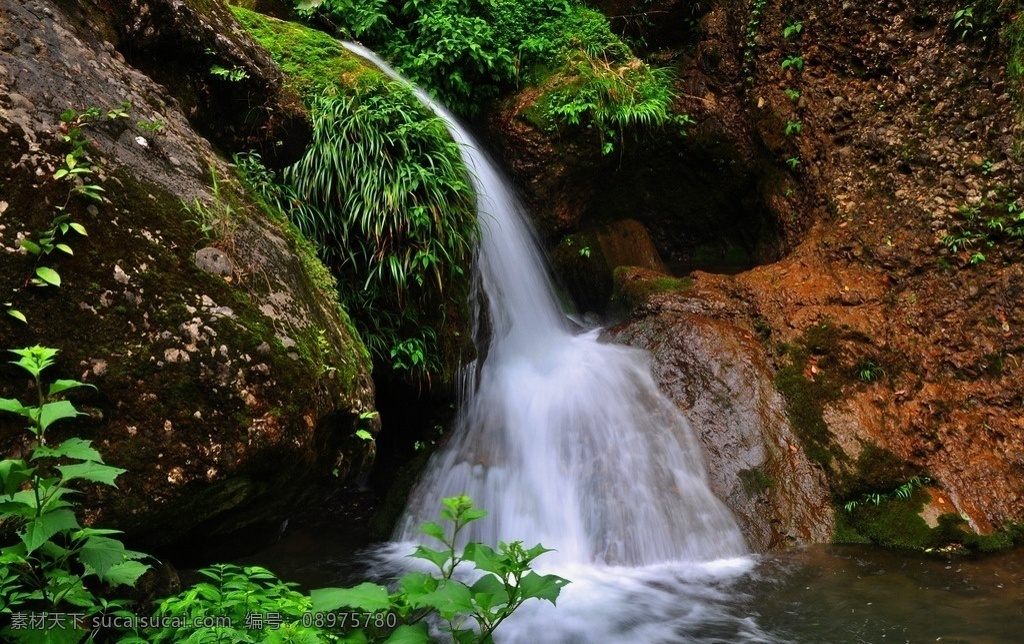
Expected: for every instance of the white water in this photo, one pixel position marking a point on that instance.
(567, 442)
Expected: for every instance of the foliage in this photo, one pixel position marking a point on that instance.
(217, 221)
(793, 61)
(868, 371)
(235, 604)
(794, 127)
(470, 613)
(904, 491)
(383, 194)
(794, 28)
(252, 605)
(312, 61)
(56, 562)
(995, 223)
(466, 51)
(610, 97)
(76, 169)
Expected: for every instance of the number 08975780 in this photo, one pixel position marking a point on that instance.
(344, 619)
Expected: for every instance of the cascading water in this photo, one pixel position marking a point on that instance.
(567, 442)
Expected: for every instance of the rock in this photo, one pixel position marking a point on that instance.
(243, 445)
(214, 260)
(720, 379)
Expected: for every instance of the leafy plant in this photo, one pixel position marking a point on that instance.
(792, 29)
(794, 127)
(383, 194)
(868, 371)
(56, 562)
(470, 613)
(963, 21)
(235, 604)
(792, 94)
(904, 491)
(216, 222)
(793, 162)
(156, 126)
(996, 222)
(611, 98)
(233, 75)
(793, 61)
(251, 604)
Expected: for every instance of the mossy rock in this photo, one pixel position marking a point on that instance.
(224, 398)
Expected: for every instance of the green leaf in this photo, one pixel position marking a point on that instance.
(410, 634)
(13, 472)
(15, 407)
(125, 573)
(31, 246)
(450, 599)
(75, 447)
(48, 275)
(64, 248)
(432, 529)
(17, 315)
(63, 385)
(99, 554)
(415, 584)
(91, 471)
(542, 587)
(365, 597)
(485, 558)
(45, 526)
(438, 558)
(78, 228)
(488, 592)
(363, 434)
(56, 410)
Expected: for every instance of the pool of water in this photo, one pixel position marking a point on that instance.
(815, 594)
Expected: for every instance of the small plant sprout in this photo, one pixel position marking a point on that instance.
(792, 29)
(794, 61)
(794, 127)
(793, 162)
(792, 94)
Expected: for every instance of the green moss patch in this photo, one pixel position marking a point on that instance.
(311, 60)
(812, 379)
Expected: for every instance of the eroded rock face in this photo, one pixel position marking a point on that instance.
(223, 396)
(719, 376)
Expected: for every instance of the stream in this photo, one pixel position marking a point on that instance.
(827, 593)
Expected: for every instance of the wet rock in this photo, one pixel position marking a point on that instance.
(720, 378)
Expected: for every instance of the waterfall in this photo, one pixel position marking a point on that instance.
(565, 441)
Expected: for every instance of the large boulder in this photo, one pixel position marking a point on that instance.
(227, 379)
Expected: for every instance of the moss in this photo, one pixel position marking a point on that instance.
(311, 60)
(755, 481)
(811, 380)
(875, 468)
(633, 287)
(897, 523)
(893, 523)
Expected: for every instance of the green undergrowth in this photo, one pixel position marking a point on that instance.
(897, 523)
(383, 195)
(469, 51)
